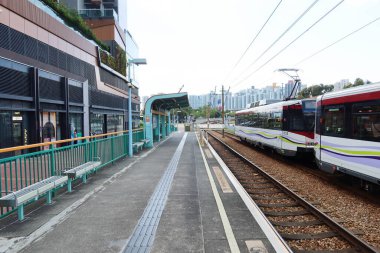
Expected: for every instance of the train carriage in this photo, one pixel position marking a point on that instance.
(287, 126)
(347, 132)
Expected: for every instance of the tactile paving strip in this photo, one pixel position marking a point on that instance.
(143, 235)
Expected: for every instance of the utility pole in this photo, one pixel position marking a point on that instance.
(223, 110)
(208, 116)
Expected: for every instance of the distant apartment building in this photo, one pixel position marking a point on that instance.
(289, 88)
(243, 98)
(340, 85)
(53, 83)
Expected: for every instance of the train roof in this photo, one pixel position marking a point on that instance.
(274, 105)
(362, 89)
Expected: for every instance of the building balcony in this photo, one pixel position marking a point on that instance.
(98, 14)
(131, 46)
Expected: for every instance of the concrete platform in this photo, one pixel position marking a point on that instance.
(162, 200)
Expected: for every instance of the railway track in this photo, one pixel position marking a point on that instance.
(299, 222)
(303, 163)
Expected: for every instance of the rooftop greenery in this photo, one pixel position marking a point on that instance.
(118, 63)
(74, 20)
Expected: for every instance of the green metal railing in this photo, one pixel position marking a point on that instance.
(20, 171)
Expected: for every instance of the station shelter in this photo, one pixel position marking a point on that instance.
(159, 115)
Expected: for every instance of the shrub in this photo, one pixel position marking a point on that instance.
(74, 20)
(118, 64)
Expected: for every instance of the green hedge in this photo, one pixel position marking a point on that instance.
(74, 20)
(119, 63)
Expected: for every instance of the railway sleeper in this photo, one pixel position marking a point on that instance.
(251, 181)
(255, 197)
(261, 187)
(321, 235)
(268, 191)
(286, 213)
(296, 223)
(278, 204)
(247, 183)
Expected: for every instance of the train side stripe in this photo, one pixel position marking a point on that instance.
(351, 152)
(362, 160)
(335, 145)
(268, 136)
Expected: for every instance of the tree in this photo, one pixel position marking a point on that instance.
(349, 85)
(304, 93)
(315, 90)
(358, 82)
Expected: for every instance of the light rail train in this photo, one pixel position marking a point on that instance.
(347, 132)
(342, 129)
(287, 126)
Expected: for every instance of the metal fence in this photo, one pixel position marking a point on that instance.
(20, 171)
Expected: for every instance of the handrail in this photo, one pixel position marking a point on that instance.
(43, 144)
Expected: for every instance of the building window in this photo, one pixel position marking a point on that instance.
(115, 123)
(76, 125)
(97, 124)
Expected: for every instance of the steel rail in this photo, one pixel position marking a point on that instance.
(311, 169)
(359, 244)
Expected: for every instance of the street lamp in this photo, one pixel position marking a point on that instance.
(137, 61)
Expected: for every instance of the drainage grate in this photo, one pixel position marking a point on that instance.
(143, 236)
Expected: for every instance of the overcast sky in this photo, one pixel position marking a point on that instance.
(196, 43)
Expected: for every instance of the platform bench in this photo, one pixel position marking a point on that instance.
(80, 171)
(146, 141)
(32, 192)
(138, 145)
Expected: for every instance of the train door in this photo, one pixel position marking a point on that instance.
(284, 132)
(317, 135)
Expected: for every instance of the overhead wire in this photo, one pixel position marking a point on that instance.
(339, 40)
(246, 50)
(278, 38)
(299, 36)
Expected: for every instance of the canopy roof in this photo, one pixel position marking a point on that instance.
(167, 101)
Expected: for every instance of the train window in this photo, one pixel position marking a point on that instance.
(295, 120)
(333, 121)
(309, 105)
(309, 121)
(254, 119)
(366, 121)
(238, 120)
(265, 120)
(277, 120)
(249, 120)
(259, 122)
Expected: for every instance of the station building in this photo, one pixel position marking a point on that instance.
(53, 82)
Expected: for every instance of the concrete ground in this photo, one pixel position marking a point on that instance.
(101, 215)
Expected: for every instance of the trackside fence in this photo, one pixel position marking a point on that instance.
(20, 171)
